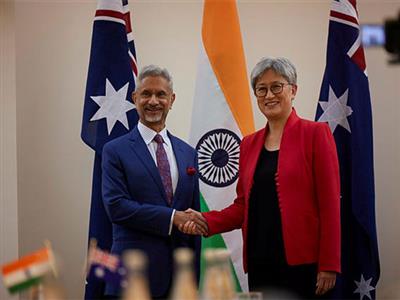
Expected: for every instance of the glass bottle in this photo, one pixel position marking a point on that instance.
(137, 285)
(218, 279)
(185, 287)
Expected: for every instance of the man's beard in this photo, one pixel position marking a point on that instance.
(153, 118)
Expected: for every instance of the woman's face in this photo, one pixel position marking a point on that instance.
(277, 105)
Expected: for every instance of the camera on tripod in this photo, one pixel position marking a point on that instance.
(387, 36)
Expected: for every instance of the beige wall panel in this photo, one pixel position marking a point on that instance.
(8, 141)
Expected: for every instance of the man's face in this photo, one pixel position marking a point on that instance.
(153, 100)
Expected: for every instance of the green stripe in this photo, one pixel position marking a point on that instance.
(215, 241)
(24, 285)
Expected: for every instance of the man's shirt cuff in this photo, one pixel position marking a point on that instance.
(171, 222)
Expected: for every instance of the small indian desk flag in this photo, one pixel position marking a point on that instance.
(28, 270)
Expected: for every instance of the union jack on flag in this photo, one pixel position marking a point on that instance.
(105, 259)
(105, 266)
(108, 109)
(344, 103)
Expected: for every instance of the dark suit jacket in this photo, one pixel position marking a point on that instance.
(308, 188)
(136, 204)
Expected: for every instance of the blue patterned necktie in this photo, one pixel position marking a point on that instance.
(163, 167)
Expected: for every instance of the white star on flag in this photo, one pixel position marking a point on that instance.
(364, 287)
(336, 110)
(113, 106)
(99, 272)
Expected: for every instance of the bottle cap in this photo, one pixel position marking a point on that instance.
(135, 259)
(183, 255)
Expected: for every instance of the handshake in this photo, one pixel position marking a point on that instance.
(191, 222)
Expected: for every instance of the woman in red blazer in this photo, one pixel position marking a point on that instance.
(288, 193)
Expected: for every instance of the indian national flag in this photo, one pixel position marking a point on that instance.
(222, 115)
(28, 270)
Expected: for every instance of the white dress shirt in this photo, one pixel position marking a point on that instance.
(148, 135)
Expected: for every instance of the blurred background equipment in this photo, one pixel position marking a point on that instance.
(392, 34)
(373, 35)
(386, 35)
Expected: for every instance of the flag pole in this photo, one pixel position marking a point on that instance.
(52, 260)
(87, 263)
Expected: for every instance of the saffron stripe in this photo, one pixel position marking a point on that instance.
(36, 257)
(34, 270)
(221, 31)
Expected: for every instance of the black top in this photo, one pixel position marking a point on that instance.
(265, 241)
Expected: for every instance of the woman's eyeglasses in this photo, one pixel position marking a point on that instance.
(275, 88)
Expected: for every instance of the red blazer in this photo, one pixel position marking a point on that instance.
(308, 188)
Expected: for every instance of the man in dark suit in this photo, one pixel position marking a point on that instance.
(149, 179)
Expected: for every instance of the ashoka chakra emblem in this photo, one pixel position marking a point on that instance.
(218, 152)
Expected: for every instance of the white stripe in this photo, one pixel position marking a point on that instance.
(14, 278)
(131, 56)
(134, 62)
(110, 5)
(344, 7)
(112, 19)
(355, 46)
(209, 101)
(130, 37)
(21, 275)
(125, 9)
(344, 22)
(40, 269)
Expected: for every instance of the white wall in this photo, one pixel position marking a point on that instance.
(8, 142)
(52, 52)
(385, 94)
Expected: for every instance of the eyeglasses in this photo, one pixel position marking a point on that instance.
(275, 88)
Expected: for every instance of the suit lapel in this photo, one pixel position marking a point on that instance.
(142, 152)
(255, 150)
(258, 144)
(179, 156)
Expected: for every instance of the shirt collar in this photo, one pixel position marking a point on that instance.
(148, 134)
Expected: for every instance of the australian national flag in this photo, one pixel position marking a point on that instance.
(345, 105)
(108, 110)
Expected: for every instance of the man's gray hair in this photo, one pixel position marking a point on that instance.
(280, 65)
(153, 71)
